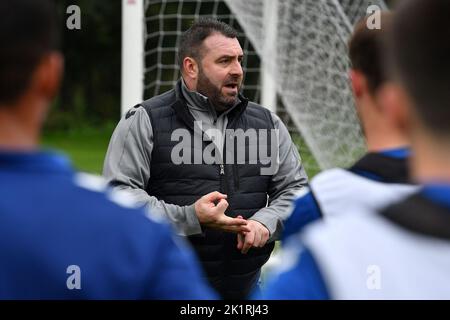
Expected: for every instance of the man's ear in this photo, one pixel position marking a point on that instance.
(190, 68)
(48, 74)
(397, 107)
(358, 82)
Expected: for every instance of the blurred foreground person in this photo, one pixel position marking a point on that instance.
(62, 236)
(381, 176)
(402, 251)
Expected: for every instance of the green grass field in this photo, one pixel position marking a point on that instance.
(310, 164)
(87, 147)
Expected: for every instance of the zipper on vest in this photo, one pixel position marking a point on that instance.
(234, 166)
(223, 180)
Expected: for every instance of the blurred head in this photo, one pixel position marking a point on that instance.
(30, 66)
(210, 59)
(367, 74)
(418, 96)
(366, 55)
(420, 65)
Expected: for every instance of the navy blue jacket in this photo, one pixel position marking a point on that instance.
(63, 237)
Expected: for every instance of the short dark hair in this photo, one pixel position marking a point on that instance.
(419, 55)
(27, 33)
(192, 39)
(366, 50)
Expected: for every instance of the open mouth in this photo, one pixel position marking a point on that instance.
(231, 86)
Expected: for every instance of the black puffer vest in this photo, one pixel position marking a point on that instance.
(230, 272)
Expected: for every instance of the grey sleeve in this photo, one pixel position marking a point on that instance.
(127, 167)
(287, 181)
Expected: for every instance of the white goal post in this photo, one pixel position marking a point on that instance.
(133, 40)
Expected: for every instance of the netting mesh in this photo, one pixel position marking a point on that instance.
(308, 63)
(165, 22)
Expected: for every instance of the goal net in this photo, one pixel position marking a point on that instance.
(298, 46)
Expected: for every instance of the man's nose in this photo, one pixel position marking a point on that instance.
(236, 69)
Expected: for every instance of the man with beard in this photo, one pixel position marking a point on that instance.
(231, 211)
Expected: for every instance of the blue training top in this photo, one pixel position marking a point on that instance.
(63, 237)
(304, 279)
(306, 208)
(306, 276)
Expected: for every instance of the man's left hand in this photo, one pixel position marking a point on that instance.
(257, 237)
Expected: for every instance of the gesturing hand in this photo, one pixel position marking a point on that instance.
(211, 215)
(257, 237)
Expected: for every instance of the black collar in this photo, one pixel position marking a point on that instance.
(420, 215)
(387, 169)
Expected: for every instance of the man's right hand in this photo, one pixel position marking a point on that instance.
(211, 215)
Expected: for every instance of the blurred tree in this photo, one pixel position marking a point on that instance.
(90, 92)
